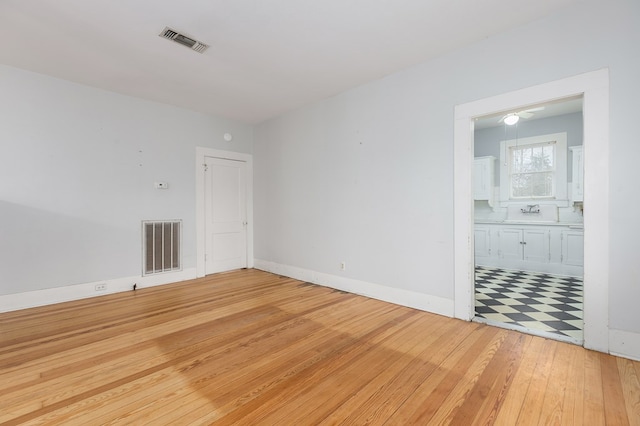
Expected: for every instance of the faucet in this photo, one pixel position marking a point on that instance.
(531, 209)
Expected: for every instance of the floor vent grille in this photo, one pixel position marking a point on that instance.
(161, 246)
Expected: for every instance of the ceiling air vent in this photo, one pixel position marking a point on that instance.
(182, 39)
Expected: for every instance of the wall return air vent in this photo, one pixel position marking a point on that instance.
(161, 246)
(184, 40)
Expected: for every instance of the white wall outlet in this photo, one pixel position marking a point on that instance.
(343, 265)
(101, 287)
(161, 185)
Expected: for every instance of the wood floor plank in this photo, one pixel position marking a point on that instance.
(249, 347)
(630, 380)
(510, 409)
(445, 390)
(272, 367)
(534, 399)
(614, 413)
(463, 401)
(380, 398)
(573, 407)
(593, 391)
(316, 401)
(494, 386)
(260, 402)
(553, 405)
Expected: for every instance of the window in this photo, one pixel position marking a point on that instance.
(532, 170)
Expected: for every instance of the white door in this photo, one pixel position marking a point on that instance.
(536, 247)
(482, 240)
(573, 248)
(511, 244)
(225, 215)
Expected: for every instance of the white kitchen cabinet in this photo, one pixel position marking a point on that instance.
(482, 241)
(577, 174)
(483, 180)
(573, 247)
(510, 244)
(531, 245)
(553, 249)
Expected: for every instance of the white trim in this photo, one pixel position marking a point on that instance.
(625, 344)
(411, 299)
(50, 296)
(201, 153)
(594, 87)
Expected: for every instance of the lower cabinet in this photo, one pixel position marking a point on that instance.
(543, 248)
(482, 241)
(523, 244)
(573, 247)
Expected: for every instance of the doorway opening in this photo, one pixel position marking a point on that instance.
(528, 222)
(594, 88)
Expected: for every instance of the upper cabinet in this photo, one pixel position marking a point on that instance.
(577, 174)
(483, 172)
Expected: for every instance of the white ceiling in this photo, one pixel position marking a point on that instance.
(266, 56)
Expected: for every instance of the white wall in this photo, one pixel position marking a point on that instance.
(77, 173)
(367, 176)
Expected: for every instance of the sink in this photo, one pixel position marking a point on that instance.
(538, 213)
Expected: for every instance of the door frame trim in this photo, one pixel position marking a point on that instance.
(594, 87)
(201, 154)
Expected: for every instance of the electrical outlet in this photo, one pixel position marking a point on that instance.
(343, 265)
(101, 287)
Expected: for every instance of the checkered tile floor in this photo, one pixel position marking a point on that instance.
(547, 305)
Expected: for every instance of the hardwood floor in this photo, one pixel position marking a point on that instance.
(248, 347)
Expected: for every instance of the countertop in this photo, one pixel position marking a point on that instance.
(572, 225)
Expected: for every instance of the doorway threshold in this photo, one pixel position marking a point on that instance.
(527, 330)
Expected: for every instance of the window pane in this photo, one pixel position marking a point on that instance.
(527, 160)
(516, 160)
(533, 171)
(548, 157)
(520, 185)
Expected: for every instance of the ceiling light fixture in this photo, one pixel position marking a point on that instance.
(511, 119)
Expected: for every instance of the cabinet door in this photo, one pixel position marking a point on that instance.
(510, 244)
(577, 174)
(482, 241)
(483, 179)
(573, 248)
(536, 245)
(480, 183)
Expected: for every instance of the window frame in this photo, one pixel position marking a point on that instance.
(560, 197)
(553, 169)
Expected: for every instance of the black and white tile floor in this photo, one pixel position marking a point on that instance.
(542, 304)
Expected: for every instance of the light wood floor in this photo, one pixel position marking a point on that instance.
(248, 347)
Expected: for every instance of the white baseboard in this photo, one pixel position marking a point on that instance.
(625, 344)
(50, 296)
(411, 299)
